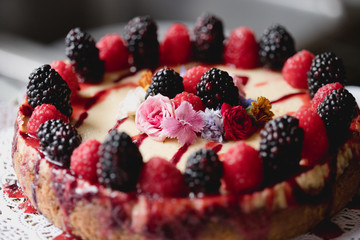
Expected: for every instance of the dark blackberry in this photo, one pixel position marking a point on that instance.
(84, 55)
(208, 38)
(325, 68)
(203, 172)
(120, 162)
(337, 112)
(280, 148)
(57, 141)
(141, 39)
(47, 86)
(166, 82)
(216, 87)
(275, 46)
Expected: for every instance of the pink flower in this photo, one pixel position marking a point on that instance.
(184, 127)
(150, 115)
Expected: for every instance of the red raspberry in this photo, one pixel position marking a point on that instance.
(243, 168)
(315, 143)
(41, 114)
(161, 177)
(176, 47)
(192, 77)
(322, 93)
(241, 49)
(113, 52)
(84, 160)
(194, 100)
(296, 67)
(68, 74)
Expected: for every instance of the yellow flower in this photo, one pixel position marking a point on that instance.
(145, 80)
(261, 110)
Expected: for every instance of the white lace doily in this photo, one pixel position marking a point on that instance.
(17, 225)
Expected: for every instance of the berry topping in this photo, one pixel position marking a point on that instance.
(84, 160)
(113, 52)
(141, 39)
(176, 47)
(203, 172)
(162, 178)
(280, 148)
(192, 78)
(67, 73)
(314, 131)
(120, 162)
(275, 46)
(41, 114)
(209, 37)
(241, 49)
(243, 168)
(322, 93)
(47, 86)
(194, 100)
(337, 111)
(57, 141)
(325, 68)
(296, 67)
(167, 82)
(84, 56)
(217, 87)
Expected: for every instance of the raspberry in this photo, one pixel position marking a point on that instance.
(241, 49)
(243, 168)
(325, 68)
(337, 111)
(41, 114)
(194, 100)
(162, 178)
(166, 82)
(314, 131)
(192, 78)
(84, 56)
(57, 141)
(47, 86)
(67, 73)
(280, 148)
(141, 40)
(209, 37)
(113, 52)
(84, 160)
(217, 87)
(203, 172)
(176, 47)
(296, 67)
(275, 46)
(120, 162)
(322, 93)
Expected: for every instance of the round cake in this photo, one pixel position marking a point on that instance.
(196, 136)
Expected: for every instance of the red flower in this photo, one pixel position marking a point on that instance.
(237, 123)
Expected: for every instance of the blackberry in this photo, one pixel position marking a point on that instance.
(208, 38)
(337, 111)
(216, 87)
(275, 46)
(325, 68)
(166, 82)
(57, 141)
(47, 86)
(203, 172)
(120, 162)
(141, 39)
(280, 148)
(84, 55)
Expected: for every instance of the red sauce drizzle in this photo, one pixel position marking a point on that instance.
(216, 147)
(283, 98)
(261, 84)
(118, 123)
(128, 74)
(81, 119)
(327, 230)
(31, 141)
(244, 79)
(26, 110)
(138, 139)
(13, 190)
(27, 207)
(65, 236)
(176, 158)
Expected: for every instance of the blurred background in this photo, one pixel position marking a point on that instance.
(32, 32)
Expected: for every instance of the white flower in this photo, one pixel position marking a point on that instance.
(131, 102)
